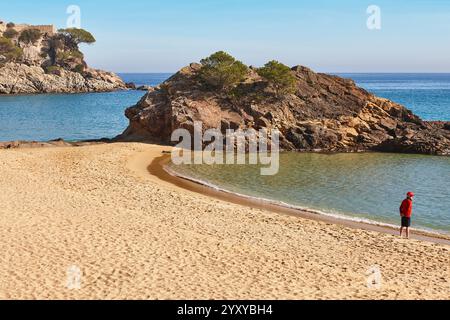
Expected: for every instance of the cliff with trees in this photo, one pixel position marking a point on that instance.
(34, 61)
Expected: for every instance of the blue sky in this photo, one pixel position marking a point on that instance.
(326, 35)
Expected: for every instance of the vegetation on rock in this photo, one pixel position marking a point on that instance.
(30, 36)
(62, 49)
(79, 68)
(10, 33)
(279, 76)
(67, 55)
(57, 51)
(53, 70)
(222, 71)
(52, 47)
(9, 51)
(71, 60)
(77, 36)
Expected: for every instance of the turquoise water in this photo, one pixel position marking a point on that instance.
(67, 116)
(368, 186)
(70, 116)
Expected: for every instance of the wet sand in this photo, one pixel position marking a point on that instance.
(134, 235)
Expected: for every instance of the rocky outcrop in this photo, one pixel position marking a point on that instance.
(20, 78)
(133, 86)
(48, 144)
(327, 113)
(48, 62)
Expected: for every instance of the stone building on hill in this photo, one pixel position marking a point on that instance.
(44, 29)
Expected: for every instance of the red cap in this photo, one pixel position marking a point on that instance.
(410, 194)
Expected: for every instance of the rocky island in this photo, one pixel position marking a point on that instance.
(40, 59)
(312, 111)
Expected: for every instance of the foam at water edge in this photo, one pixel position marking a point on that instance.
(338, 216)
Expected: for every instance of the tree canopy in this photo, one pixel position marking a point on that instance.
(10, 33)
(78, 35)
(8, 50)
(222, 71)
(278, 75)
(30, 36)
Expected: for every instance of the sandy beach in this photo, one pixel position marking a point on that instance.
(134, 236)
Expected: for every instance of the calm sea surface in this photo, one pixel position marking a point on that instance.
(360, 186)
(364, 187)
(427, 95)
(70, 116)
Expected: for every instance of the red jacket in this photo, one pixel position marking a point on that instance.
(406, 208)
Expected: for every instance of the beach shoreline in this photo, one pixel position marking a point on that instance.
(135, 236)
(159, 168)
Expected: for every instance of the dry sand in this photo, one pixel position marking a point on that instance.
(134, 236)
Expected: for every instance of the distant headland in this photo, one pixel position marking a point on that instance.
(42, 59)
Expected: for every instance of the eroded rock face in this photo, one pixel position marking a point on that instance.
(327, 113)
(24, 79)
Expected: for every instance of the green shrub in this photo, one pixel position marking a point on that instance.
(79, 68)
(249, 92)
(65, 56)
(9, 50)
(10, 25)
(30, 36)
(53, 70)
(76, 54)
(222, 71)
(52, 46)
(10, 33)
(279, 76)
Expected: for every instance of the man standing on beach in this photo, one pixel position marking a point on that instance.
(406, 213)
